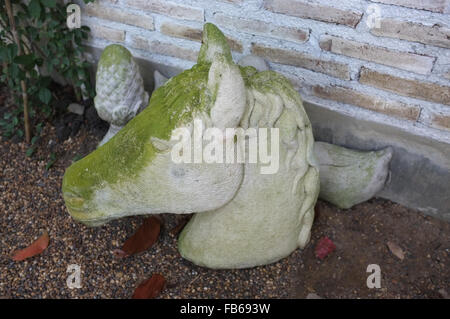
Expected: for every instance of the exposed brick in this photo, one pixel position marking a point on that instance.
(441, 121)
(373, 103)
(120, 15)
(181, 31)
(235, 45)
(163, 48)
(302, 60)
(441, 6)
(308, 10)
(100, 31)
(407, 87)
(263, 28)
(195, 34)
(168, 8)
(435, 35)
(402, 60)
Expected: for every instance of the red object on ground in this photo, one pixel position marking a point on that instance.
(37, 247)
(150, 288)
(142, 239)
(324, 247)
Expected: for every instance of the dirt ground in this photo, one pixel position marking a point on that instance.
(31, 202)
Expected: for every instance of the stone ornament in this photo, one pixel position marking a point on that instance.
(243, 218)
(120, 89)
(349, 177)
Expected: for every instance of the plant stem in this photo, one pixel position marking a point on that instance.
(22, 82)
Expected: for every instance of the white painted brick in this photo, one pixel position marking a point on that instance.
(168, 8)
(440, 6)
(408, 87)
(108, 33)
(162, 48)
(434, 35)
(309, 10)
(367, 101)
(195, 34)
(402, 60)
(303, 60)
(262, 28)
(120, 15)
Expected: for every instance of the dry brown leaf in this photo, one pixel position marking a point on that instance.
(396, 250)
(143, 238)
(37, 247)
(150, 288)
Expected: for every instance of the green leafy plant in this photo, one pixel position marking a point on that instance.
(35, 42)
(51, 161)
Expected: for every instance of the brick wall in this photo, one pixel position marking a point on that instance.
(386, 61)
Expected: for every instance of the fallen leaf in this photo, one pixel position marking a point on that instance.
(179, 227)
(324, 247)
(150, 288)
(143, 238)
(37, 247)
(396, 250)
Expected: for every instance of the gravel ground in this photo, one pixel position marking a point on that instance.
(31, 202)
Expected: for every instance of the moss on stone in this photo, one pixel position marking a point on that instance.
(130, 150)
(213, 42)
(114, 54)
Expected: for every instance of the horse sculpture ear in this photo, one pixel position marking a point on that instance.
(213, 42)
(227, 88)
(225, 83)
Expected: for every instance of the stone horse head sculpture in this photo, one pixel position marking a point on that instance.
(243, 218)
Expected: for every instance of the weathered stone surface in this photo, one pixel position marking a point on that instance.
(440, 6)
(441, 121)
(181, 31)
(168, 8)
(163, 48)
(403, 60)
(234, 237)
(120, 15)
(244, 218)
(373, 103)
(195, 34)
(302, 60)
(120, 89)
(349, 177)
(262, 28)
(419, 169)
(421, 90)
(308, 10)
(434, 35)
(100, 31)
